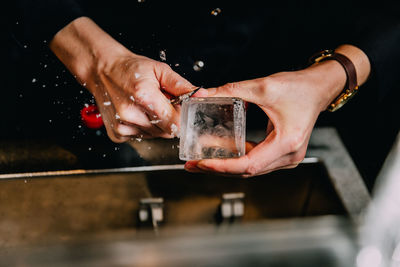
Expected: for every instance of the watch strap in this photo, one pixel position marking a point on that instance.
(351, 87)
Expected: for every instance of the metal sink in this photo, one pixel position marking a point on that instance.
(54, 208)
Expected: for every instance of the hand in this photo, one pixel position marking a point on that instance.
(292, 101)
(130, 100)
(127, 87)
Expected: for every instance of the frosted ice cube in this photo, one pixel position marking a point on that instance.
(213, 127)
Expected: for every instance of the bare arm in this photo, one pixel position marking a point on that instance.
(126, 86)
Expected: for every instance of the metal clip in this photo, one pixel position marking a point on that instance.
(151, 210)
(232, 206)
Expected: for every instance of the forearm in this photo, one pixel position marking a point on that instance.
(85, 49)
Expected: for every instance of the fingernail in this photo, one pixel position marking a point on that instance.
(191, 166)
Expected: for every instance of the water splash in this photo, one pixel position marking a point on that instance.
(216, 11)
(198, 65)
(163, 55)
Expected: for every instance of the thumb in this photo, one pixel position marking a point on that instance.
(246, 90)
(172, 83)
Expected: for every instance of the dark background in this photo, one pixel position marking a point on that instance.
(40, 99)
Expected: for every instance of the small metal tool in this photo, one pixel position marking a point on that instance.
(177, 100)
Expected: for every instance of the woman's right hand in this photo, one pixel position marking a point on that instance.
(127, 87)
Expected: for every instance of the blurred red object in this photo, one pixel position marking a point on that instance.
(91, 117)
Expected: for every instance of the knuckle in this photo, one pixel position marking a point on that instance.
(123, 113)
(251, 170)
(295, 142)
(231, 87)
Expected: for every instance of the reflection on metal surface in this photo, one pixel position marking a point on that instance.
(380, 233)
(112, 170)
(97, 171)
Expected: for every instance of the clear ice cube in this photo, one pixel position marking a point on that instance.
(212, 127)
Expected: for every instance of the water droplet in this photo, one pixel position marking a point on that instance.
(25, 181)
(137, 75)
(117, 116)
(33, 80)
(216, 12)
(50, 121)
(120, 33)
(163, 55)
(104, 155)
(198, 65)
(98, 132)
(17, 22)
(89, 148)
(25, 46)
(45, 66)
(81, 92)
(56, 84)
(174, 130)
(43, 85)
(151, 107)
(140, 1)
(132, 98)
(20, 95)
(155, 121)
(84, 84)
(149, 147)
(107, 103)
(176, 65)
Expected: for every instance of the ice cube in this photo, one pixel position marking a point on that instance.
(213, 127)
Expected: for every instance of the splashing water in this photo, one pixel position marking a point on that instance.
(216, 12)
(163, 55)
(155, 121)
(198, 65)
(174, 130)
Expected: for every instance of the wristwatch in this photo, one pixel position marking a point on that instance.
(351, 87)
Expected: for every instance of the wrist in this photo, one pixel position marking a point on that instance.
(329, 79)
(85, 49)
(354, 64)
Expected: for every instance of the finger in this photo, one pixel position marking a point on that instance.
(156, 107)
(247, 90)
(256, 161)
(171, 81)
